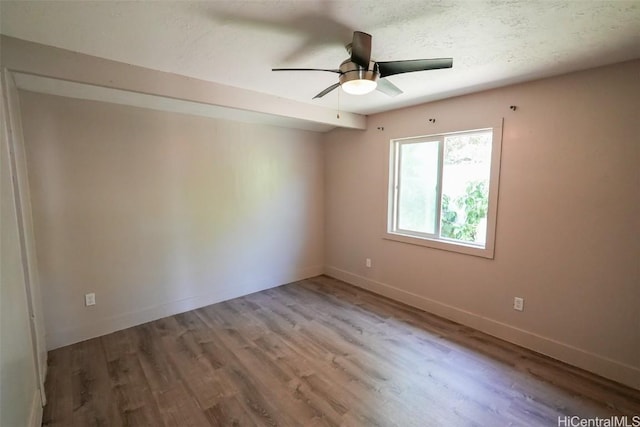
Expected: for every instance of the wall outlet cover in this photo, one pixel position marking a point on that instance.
(89, 299)
(518, 303)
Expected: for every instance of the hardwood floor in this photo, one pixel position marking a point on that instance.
(317, 353)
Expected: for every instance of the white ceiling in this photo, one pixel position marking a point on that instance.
(236, 43)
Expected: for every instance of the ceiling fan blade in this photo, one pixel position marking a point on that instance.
(361, 48)
(326, 91)
(306, 69)
(388, 88)
(390, 68)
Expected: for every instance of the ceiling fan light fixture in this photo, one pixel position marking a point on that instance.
(359, 86)
(357, 80)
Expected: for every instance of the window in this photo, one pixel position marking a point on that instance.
(443, 190)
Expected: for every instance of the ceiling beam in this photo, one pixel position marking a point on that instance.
(46, 61)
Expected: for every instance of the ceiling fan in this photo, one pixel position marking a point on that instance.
(359, 75)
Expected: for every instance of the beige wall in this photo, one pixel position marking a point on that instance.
(568, 218)
(160, 212)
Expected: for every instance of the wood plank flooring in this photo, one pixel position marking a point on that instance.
(317, 353)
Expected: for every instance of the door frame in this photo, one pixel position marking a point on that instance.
(18, 163)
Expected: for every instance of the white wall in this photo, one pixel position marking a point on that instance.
(568, 231)
(19, 389)
(160, 212)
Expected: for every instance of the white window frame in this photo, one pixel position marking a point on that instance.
(434, 240)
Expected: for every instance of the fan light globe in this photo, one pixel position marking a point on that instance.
(359, 86)
(357, 80)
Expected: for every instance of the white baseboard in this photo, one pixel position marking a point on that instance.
(608, 368)
(56, 339)
(35, 413)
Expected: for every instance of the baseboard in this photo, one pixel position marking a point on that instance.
(45, 371)
(35, 413)
(56, 339)
(603, 366)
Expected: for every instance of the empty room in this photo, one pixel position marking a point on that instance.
(320, 213)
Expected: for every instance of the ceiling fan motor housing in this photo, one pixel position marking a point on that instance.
(349, 71)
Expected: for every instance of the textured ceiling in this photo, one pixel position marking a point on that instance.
(236, 43)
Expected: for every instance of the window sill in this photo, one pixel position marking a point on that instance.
(486, 252)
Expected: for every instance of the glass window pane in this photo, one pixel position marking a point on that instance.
(418, 177)
(466, 172)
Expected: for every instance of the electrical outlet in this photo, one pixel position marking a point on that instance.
(89, 299)
(367, 262)
(518, 303)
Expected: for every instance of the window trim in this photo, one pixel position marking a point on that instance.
(433, 241)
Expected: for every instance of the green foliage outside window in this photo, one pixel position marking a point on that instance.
(474, 204)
